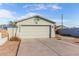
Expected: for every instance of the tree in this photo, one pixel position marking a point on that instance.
(13, 24)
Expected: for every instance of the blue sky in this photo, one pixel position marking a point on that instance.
(52, 11)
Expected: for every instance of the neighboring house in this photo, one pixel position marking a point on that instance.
(60, 27)
(3, 26)
(33, 27)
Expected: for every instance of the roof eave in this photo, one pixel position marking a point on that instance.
(36, 16)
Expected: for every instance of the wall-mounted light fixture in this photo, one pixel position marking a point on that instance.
(36, 20)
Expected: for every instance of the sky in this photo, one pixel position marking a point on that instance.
(52, 11)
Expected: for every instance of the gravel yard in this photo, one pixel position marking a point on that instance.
(72, 40)
(9, 48)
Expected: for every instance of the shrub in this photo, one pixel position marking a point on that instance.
(14, 39)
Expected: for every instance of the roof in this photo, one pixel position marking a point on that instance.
(36, 17)
(61, 26)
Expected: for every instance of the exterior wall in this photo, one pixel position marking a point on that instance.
(53, 31)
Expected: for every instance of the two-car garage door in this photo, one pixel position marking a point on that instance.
(35, 31)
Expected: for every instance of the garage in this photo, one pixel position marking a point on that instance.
(33, 27)
(39, 31)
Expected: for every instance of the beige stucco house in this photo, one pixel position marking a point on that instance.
(33, 27)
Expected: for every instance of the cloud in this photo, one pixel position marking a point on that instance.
(30, 14)
(42, 7)
(35, 7)
(6, 14)
(25, 6)
(56, 7)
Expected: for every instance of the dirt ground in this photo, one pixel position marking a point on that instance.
(9, 48)
(4, 33)
(72, 40)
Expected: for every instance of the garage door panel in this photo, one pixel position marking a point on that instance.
(34, 32)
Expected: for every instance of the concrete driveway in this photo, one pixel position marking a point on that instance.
(47, 47)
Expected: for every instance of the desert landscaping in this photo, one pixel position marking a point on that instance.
(10, 47)
(73, 40)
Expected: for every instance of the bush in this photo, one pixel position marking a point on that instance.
(14, 39)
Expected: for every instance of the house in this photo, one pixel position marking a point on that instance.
(59, 27)
(3, 27)
(33, 27)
